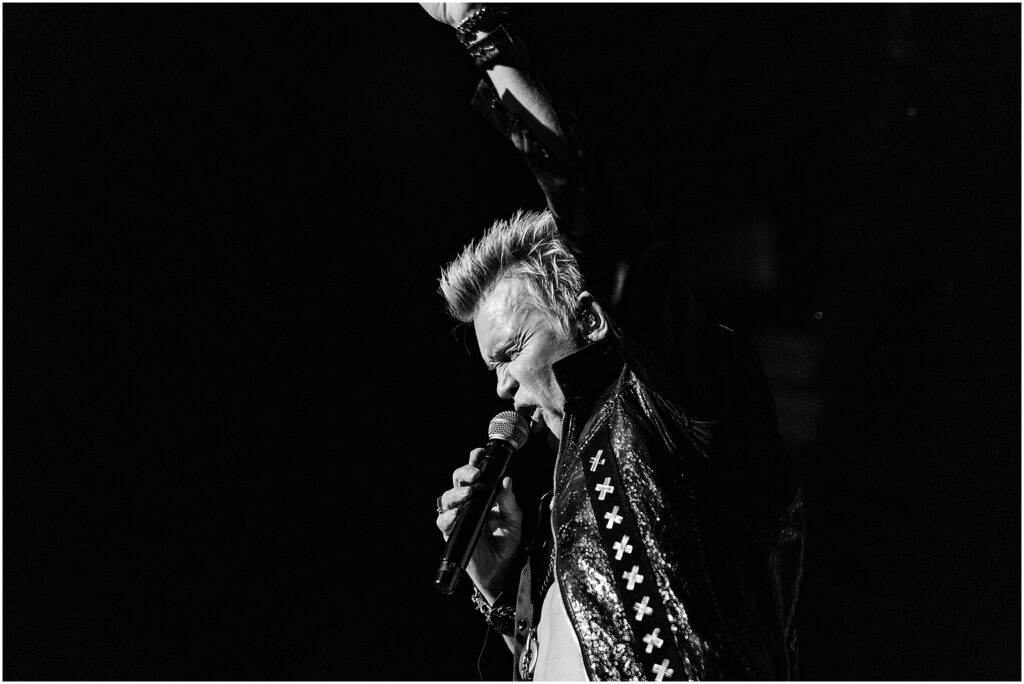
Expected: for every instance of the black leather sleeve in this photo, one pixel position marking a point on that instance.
(627, 269)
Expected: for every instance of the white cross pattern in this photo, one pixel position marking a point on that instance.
(613, 518)
(622, 547)
(653, 641)
(604, 489)
(642, 609)
(594, 462)
(634, 577)
(662, 670)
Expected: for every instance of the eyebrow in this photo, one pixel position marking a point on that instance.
(497, 350)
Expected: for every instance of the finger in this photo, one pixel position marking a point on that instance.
(476, 456)
(467, 474)
(507, 516)
(446, 521)
(506, 500)
(454, 498)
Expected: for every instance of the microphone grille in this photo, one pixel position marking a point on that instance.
(511, 427)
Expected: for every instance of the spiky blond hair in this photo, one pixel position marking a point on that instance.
(526, 246)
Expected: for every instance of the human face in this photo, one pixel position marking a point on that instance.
(521, 345)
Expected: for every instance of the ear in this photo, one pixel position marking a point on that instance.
(591, 320)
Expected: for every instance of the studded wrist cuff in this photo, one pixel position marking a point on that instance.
(500, 46)
(483, 19)
(500, 618)
(489, 37)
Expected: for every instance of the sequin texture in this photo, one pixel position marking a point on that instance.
(716, 637)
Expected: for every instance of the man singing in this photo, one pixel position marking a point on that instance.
(672, 541)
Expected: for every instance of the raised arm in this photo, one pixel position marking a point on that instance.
(629, 272)
(604, 225)
(518, 90)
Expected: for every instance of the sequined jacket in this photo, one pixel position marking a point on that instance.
(675, 528)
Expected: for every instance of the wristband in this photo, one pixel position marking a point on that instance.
(496, 47)
(501, 618)
(483, 19)
(499, 43)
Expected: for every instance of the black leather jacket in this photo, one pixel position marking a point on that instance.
(669, 449)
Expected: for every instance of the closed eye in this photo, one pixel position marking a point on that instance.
(504, 355)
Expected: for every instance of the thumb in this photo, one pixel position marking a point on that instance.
(507, 498)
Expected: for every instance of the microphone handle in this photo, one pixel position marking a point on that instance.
(473, 515)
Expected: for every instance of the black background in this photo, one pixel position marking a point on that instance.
(231, 393)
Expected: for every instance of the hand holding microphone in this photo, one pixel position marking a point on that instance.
(479, 516)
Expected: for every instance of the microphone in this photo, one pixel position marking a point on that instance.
(507, 432)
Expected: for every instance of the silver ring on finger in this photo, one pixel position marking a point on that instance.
(440, 509)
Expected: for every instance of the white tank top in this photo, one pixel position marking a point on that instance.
(559, 657)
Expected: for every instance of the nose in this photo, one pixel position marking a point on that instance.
(507, 385)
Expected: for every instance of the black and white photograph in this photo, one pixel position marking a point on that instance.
(527, 341)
